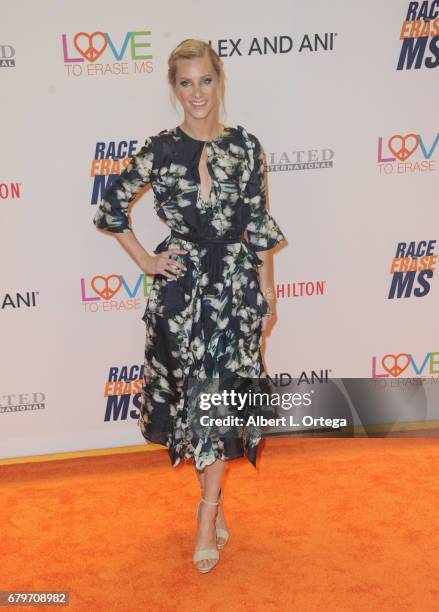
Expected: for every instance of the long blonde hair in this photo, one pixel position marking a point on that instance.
(191, 48)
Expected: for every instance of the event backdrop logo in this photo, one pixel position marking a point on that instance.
(122, 391)
(311, 159)
(14, 301)
(407, 153)
(300, 289)
(274, 45)
(102, 54)
(98, 293)
(420, 36)
(310, 377)
(7, 56)
(396, 364)
(412, 269)
(22, 402)
(110, 159)
(10, 191)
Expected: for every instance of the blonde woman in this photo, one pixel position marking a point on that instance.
(213, 289)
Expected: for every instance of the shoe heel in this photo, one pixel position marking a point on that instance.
(220, 532)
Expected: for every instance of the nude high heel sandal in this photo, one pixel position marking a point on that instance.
(205, 553)
(220, 532)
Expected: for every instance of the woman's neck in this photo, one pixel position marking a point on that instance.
(202, 132)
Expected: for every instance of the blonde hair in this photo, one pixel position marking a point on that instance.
(191, 48)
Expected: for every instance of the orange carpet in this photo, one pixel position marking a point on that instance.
(320, 525)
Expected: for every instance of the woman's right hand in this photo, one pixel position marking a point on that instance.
(164, 264)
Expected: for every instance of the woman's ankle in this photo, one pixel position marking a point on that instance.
(208, 511)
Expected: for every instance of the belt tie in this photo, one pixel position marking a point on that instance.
(211, 261)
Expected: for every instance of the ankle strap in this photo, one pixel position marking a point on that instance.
(209, 502)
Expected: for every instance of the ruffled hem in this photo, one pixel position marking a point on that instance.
(240, 450)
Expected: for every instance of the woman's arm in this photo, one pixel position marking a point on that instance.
(266, 278)
(112, 215)
(135, 250)
(263, 231)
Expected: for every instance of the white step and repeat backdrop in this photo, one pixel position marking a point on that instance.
(343, 96)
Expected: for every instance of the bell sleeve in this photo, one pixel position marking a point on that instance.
(263, 231)
(112, 212)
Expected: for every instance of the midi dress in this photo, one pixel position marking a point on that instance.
(206, 324)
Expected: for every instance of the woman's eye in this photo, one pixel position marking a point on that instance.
(184, 83)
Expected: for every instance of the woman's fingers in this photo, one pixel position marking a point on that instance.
(175, 251)
(168, 274)
(175, 262)
(166, 263)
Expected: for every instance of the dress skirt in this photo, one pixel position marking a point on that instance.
(204, 326)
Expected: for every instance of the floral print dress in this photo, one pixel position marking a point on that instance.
(206, 323)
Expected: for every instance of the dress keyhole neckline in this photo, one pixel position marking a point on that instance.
(206, 166)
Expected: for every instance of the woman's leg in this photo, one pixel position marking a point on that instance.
(200, 475)
(210, 481)
(220, 518)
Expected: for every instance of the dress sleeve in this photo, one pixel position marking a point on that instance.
(263, 231)
(112, 211)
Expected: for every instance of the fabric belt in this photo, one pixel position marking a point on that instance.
(207, 239)
(211, 261)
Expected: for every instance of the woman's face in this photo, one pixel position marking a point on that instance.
(197, 87)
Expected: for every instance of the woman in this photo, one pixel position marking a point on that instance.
(211, 290)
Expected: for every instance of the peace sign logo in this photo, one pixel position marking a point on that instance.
(403, 151)
(102, 285)
(395, 369)
(86, 48)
